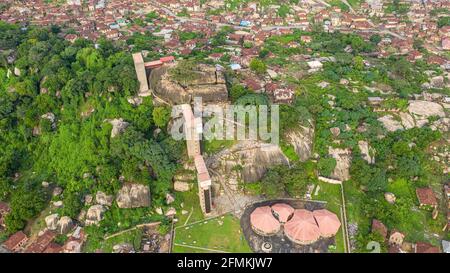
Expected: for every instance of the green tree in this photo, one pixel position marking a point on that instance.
(258, 66)
(161, 116)
(326, 165)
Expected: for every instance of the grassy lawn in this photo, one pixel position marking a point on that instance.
(132, 237)
(222, 233)
(190, 203)
(332, 195)
(214, 146)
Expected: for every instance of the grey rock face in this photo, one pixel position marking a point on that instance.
(65, 224)
(119, 126)
(133, 196)
(425, 108)
(302, 141)
(207, 83)
(102, 199)
(343, 161)
(366, 151)
(94, 215)
(52, 221)
(182, 186)
(250, 159)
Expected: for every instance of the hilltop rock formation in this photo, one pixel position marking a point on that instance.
(249, 159)
(302, 140)
(133, 196)
(343, 159)
(65, 224)
(419, 112)
(204, 82)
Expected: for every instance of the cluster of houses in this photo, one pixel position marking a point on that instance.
(115, 19)
(19, 242)
(396, 239)
(252, 25)
(44, 242)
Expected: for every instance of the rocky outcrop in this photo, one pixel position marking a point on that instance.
(57, 191)
(419, 112)
(343, 159)
(51, 118)
(425, 108)
(335, 131)
(51, 221)
(367, 152)
(103, 199)
(407, 120)
(182, 186)
(119, 126)
(302, 141)
(133, 196)
(390, 123)
(94, 215)
(135, 101)
(123, 248)
(169, 198)
(249, 159)
(205, 82)
(65, 224)
(171, 212)
(390, 197)
(183, 181)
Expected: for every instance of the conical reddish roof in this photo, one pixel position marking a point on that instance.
(283, 211)
(328, 222)
(302, 228)
(263, 222)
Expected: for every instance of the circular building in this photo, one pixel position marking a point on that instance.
(282, 211)
(263, 222)
(327, 221)
(302, 228)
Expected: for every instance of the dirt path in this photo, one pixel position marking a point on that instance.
(131, 229)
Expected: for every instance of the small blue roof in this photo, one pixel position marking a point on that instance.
(235, 66)
(245, 23)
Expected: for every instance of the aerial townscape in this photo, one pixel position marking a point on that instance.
(92, 92)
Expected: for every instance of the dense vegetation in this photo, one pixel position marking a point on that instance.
(83, 86)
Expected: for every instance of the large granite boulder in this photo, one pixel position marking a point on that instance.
(204, 82)
(417, 116)
(103, 199)
(367, 153)
(133, 196)
(343, 159)
(94, 215)
(301, 139)
(182, 186)
(65, 224)
(119, 126)
(426, 108)
(250, 159)
(51, 221)
(390, 123)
